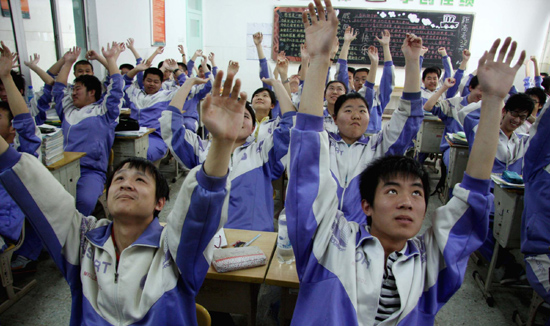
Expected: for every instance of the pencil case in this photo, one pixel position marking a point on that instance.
(232, 259)
(512, 177)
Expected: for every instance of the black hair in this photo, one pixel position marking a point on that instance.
(153, 71)
(299, 68)
(520, 102)
(209, 66)
(546, 84)
(183, 65)
(474, 82)
(271, 94)
(4, 106)
(160, 64)
(18, 80)
(82, 62)
(384, 168)
(334, 82)
(543, 74)
(350, 96)
(539, 93)
(126, 65)
(430, 70)
(367, 70)
(91, 83)
(250, 110)
(162, 190)
(352, 70)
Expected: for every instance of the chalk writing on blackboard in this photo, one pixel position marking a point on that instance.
(450, 30)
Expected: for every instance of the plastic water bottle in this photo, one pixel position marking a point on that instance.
(30, 94)
(284, 248)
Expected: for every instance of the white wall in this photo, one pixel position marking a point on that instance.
(226, 24)
(118, 20)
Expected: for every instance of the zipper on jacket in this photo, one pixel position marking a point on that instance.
(116, 277)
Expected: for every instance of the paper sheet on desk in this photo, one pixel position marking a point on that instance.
(497, 178)
(140, 132)
(219, 240)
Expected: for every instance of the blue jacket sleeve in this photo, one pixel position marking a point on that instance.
(451, 92)
(264, 72)
(58, 95)
(113, 98)
(448, 70)
(204, 89)
(537, 156)
(28, 138)
(190, 67)
(538, 81)
(386, 84)
(214, 71)
(197, 216)
(281, 141)
(343, 73)
(471, 120)
(311, 198)
(466, 89)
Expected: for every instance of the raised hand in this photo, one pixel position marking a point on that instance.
(91, 55)
(270, 81)
(182, 51)
(258, 37)
(212, 58)
(320, 33)
(372, 52)
(159, 50)
(412, 46)
(130, 43)
(72, 55)
(423, 50)
(466, 55)
(449, 82)
(385, 38)
(33, 62)
(144, 65)
(15, 62)
(350, 34)
(170, 64)
(121, 47)
(112, 50)
(282, 64)
(496, 76)
(6, 60)
(533, 58)
(442, 51)
(223, 112)
(198, 53)
(233, 68)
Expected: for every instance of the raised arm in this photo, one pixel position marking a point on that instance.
(283, 97)
(181, 95)
(282, 70)
(111, 56)
(158, 51)
(56, 67)
(372, 52)
(411, 48)
(349, 35)
(305, 61)
(320, 36)
(140, 67)
(93, 55)
(15, 99)
(446, 60)
(258, 37)
(223, 115)
(182, 52)
(130, 45)
(495, 79)
(459, 73)
(385, 42)
(33, 65)
(432, 101)
(70, 58)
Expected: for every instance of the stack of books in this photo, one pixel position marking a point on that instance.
(52, 144)
(458, 138)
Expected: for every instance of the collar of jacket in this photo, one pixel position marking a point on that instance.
(150, 237)
(364, 235)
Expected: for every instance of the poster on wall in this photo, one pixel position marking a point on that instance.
(158, 23)
(24, 9)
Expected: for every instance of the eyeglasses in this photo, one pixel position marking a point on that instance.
(515, 114)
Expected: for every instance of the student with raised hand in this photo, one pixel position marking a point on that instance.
(431, 76)
(447, 110)
(536, 214)
(254, 164)
(147, 103)
(18, 131)
(191, 63)
(537, 80)
(349, 36)
(88, 124)
(133, 271)
(351, 150)
(382, 273)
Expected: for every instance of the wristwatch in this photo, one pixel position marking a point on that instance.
(286, 81)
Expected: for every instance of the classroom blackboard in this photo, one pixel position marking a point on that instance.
(451, 30)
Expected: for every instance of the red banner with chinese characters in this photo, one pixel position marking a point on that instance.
(158, 22)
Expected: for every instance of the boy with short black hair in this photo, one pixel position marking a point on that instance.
(132, 270)
(382, 273)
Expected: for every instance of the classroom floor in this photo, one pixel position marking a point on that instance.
(50, 301)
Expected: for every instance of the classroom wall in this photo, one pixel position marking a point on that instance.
(226, 27)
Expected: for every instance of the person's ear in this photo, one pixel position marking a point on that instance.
(366, 207)
(160, 204)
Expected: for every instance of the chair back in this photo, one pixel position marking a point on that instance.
(203, 317)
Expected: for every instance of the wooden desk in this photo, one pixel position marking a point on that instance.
(67, 170)
(237, 291)
(130, 146)
(458, 159)
(285, 276)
